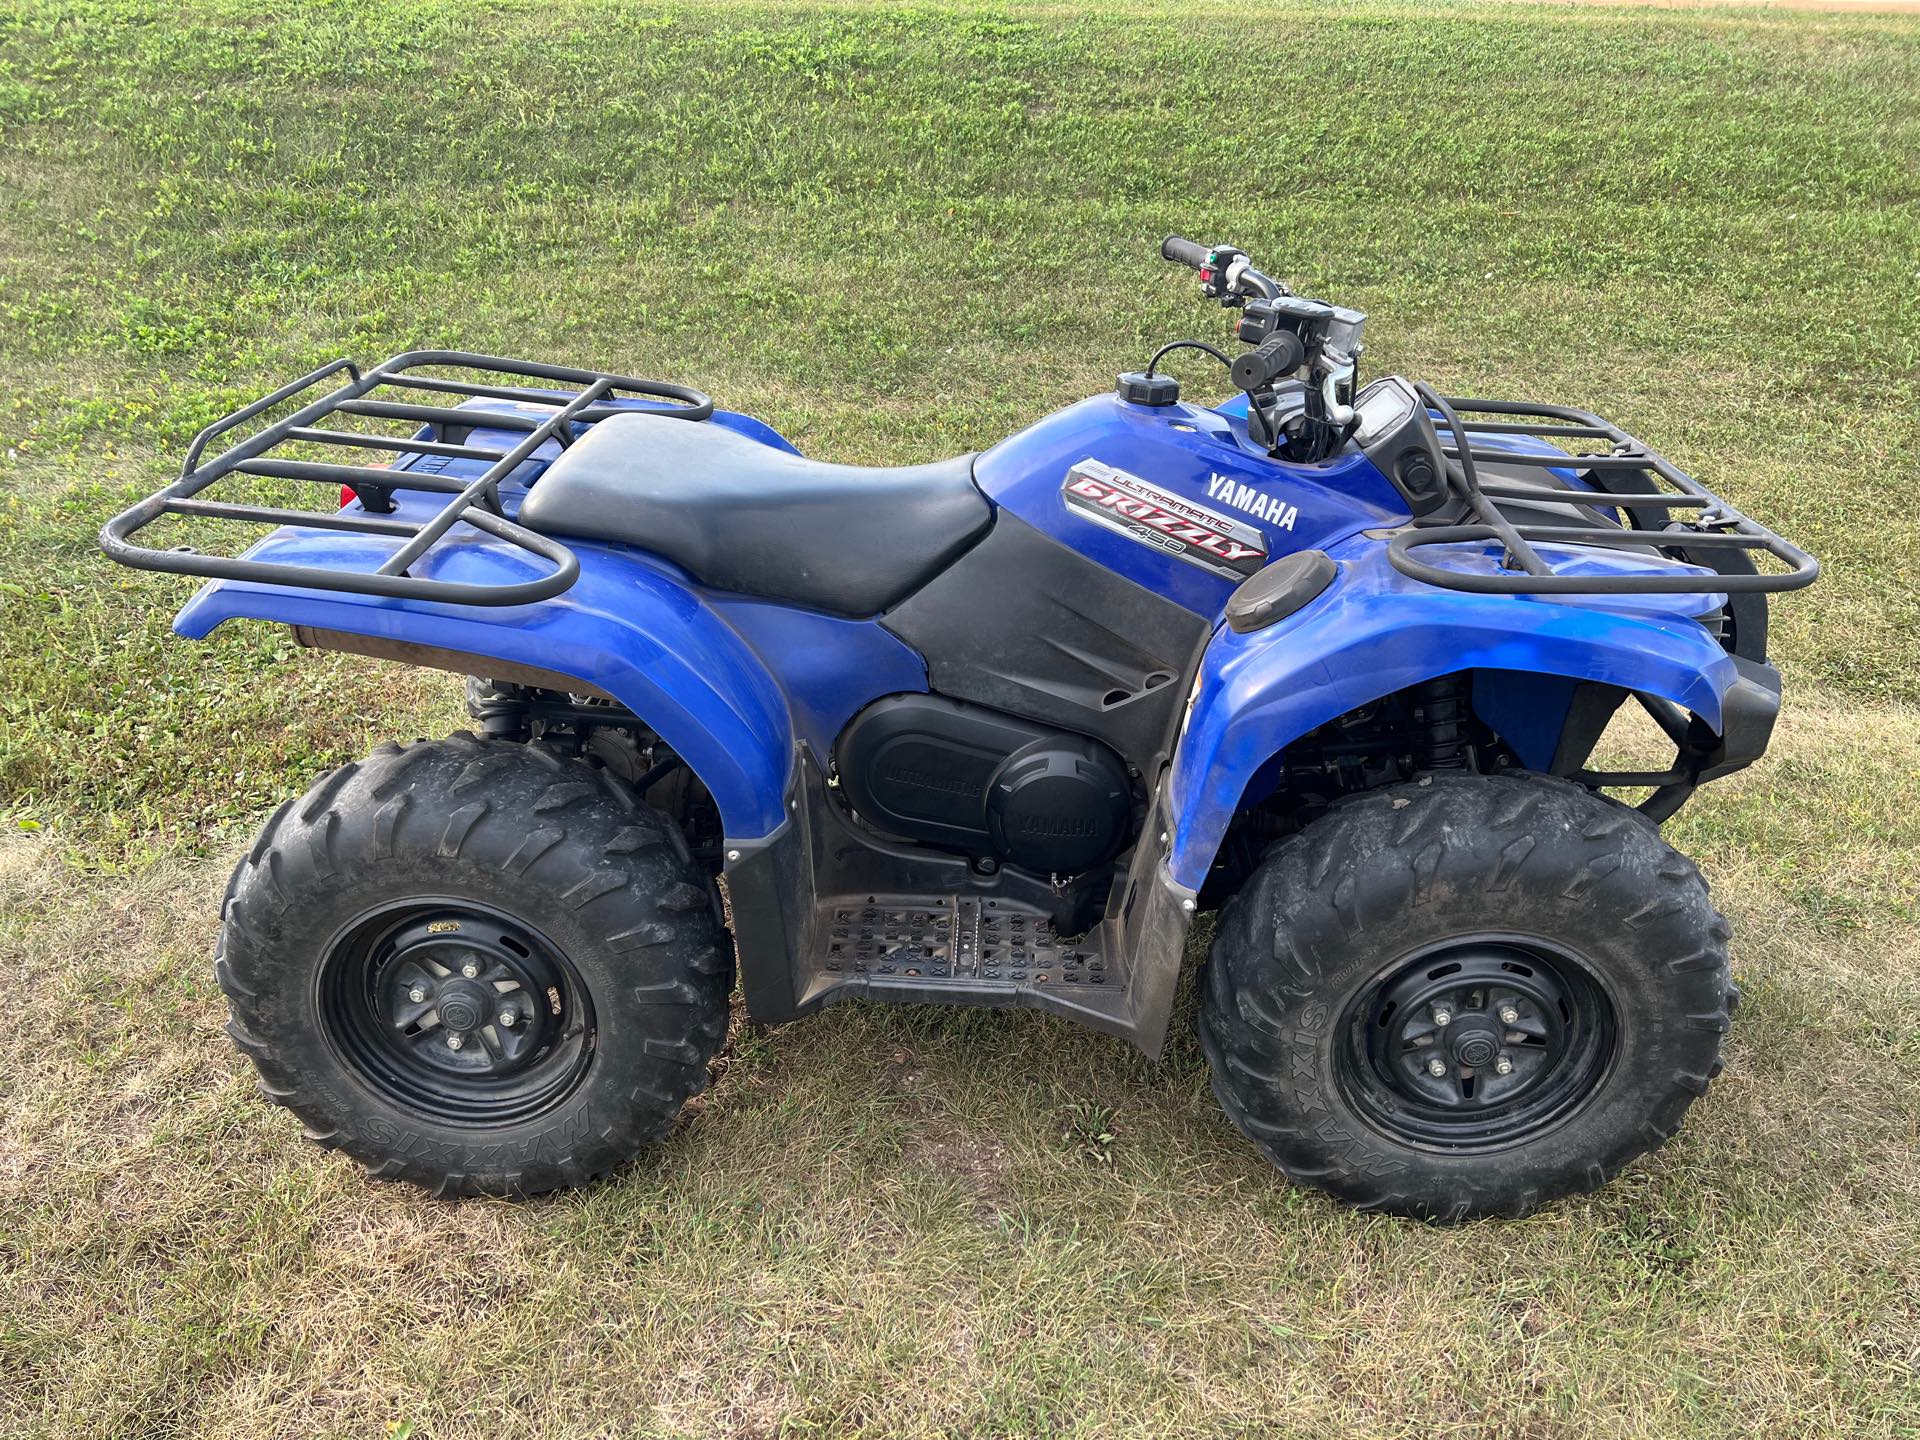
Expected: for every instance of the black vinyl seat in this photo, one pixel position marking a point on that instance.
(743, 516)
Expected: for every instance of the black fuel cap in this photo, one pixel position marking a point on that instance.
(1138, 389)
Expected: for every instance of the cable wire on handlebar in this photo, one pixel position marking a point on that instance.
(1187, 345)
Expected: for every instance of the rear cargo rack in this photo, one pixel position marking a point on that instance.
(1720, 525)
(587, 396)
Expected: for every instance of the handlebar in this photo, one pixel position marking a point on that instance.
(1268, 361)
(1225, 271)
(1183, 251)
(1288, 334)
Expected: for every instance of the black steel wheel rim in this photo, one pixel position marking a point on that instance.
(457, 1011)
(1478, 1043)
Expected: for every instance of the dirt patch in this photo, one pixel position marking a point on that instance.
(940, 1144)
(978, 1162)
(903, 1073)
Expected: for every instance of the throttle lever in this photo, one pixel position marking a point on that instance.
(1339, 371)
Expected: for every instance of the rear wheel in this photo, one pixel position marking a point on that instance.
(476, 966)
(1467, 995)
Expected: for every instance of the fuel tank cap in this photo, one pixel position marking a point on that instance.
(1137, 388)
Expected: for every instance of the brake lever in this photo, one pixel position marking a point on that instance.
(1339, 371)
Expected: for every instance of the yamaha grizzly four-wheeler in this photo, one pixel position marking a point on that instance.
(1334, 659)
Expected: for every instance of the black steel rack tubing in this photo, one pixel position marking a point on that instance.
(582, 400)
(1718, 525)
(401, 444)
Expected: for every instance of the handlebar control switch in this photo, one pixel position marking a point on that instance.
(1216, 275)
(1256, 322)
(1140, 389)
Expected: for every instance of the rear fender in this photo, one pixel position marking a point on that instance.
(1374, 631)
(629, 628)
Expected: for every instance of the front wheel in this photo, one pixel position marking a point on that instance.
(1467, 995)
(476, 965)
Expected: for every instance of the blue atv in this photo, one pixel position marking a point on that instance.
(1331, 659)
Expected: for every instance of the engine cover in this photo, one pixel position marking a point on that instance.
(1059, 806)
(976, 781)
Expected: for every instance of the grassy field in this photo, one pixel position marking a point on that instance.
(898, 233)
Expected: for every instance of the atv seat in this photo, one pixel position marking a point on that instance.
(743, 516)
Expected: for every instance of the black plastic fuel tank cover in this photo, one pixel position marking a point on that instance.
(1138, 389)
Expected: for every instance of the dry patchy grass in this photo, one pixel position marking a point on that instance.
(890, 1222)
(899, 232)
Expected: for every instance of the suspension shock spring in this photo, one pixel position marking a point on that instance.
(1441, 719)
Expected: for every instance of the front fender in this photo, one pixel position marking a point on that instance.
(627, 627)
(1374, 631)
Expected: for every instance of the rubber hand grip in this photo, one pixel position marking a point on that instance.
(1184, 252)
(1269, 360)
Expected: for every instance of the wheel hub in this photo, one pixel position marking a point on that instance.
(1473, 1044)
(457, 1010)
(464, 1006)
(1477, 1044)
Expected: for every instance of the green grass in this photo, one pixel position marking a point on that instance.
(899, 233)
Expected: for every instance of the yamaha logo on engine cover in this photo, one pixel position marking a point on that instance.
(1146, 513)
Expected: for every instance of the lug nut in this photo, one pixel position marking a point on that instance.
(509, 1018)
(454, 1042)
(1509, 1015)
(1503, 1066)
(1442, 1015)
(470, 970)
(1436, 1068)
(416, 995)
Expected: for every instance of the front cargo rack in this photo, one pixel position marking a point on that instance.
(588, 396)
(1628, 477)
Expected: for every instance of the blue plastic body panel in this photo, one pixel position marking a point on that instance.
(1181, 448)
(729, 682)
(829, 667)
(1374, 631)
(732, 683)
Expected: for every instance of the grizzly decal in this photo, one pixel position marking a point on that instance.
(1168, 522)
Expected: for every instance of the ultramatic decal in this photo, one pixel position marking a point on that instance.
(1146, 513)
